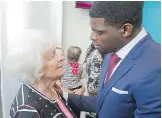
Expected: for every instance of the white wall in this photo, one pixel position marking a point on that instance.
(1, 14)
(76, 27)
(46, 15)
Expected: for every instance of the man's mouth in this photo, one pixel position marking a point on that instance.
(97, 46)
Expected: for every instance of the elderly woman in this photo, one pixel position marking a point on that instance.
(33, 59)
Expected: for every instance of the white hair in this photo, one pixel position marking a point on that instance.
(24, 59)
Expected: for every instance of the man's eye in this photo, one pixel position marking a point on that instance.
(99, 33)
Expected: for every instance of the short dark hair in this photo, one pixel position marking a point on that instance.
(73, 53)
(117, 13)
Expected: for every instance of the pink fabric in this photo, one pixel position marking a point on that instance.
(74, 66)
(64, 109)
(114, 59)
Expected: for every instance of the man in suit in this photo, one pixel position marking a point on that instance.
(130, 79)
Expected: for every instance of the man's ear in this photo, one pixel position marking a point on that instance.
(126, 30)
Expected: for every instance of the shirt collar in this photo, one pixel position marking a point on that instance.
(126, 49)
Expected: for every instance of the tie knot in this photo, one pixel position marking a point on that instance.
(114, 58)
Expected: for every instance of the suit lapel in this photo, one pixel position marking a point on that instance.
(122, 69)
(104, 70)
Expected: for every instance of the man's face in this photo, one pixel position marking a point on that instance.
(105, 38)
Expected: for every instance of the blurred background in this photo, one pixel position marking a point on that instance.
(68, 24)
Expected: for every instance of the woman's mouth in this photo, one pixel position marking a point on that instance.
(61, 66)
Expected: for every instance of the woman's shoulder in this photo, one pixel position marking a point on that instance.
(24, 111)
(22, 100)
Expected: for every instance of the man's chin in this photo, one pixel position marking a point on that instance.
(100, 49)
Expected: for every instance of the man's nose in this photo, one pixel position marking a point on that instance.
(93, 36)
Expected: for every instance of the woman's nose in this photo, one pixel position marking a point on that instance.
(61, 58)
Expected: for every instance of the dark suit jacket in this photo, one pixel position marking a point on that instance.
(133, 91)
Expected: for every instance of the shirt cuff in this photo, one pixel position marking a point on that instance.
(65, 95)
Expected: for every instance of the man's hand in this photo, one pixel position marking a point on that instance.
(79, 91)
(67, 90)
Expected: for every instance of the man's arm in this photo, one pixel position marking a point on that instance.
(148, 96)
(82, 103)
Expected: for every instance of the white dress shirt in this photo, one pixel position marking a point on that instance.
(123, 52)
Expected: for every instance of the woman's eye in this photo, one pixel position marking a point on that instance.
(53, 54)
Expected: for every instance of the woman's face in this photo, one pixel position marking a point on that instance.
(53, 64)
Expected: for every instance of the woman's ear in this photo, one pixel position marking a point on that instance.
(126, 30)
